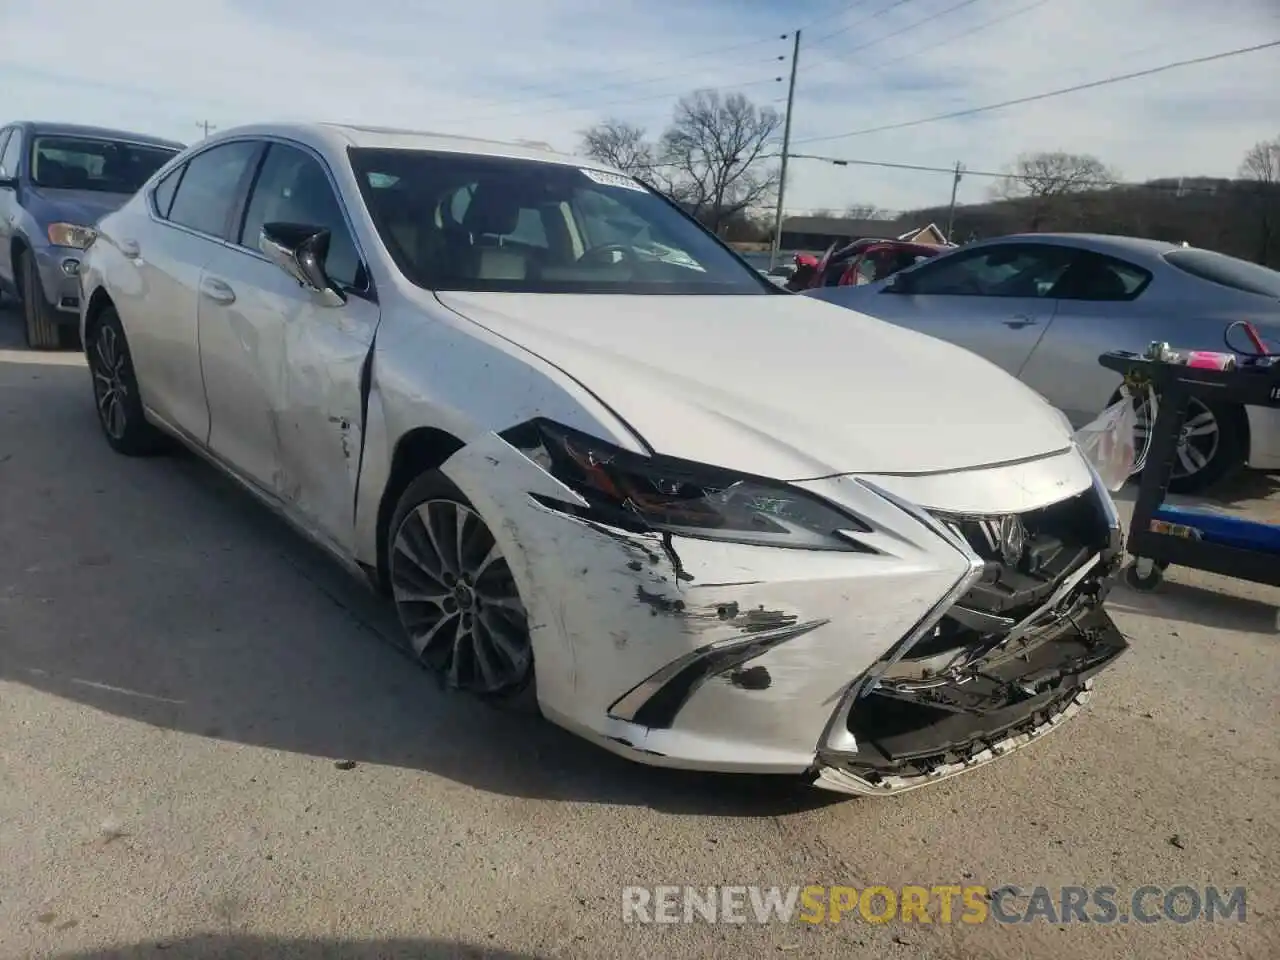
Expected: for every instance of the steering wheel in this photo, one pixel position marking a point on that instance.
(596, 253)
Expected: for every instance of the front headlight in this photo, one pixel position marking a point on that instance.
(662, 494)
(71, 235)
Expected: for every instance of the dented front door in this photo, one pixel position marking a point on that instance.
(283, 379)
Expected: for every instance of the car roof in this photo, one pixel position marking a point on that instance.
(340, 136)
(50, 128)
(1100, 242)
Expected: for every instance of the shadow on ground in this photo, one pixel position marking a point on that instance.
(1190, 603)
(158, 591)
(1242, 488)
(218, 947)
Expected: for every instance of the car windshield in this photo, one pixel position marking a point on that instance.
(464, 222)
(89, 163)
(1227, 271)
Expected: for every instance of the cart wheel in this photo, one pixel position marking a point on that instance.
(1144, 574)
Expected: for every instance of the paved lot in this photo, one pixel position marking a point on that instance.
(179, 674)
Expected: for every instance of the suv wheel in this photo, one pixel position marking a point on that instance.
(42, 328)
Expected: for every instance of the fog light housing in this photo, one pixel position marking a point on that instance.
(71, 267)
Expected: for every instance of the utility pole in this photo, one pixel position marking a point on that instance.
(951, 212)
(206, 126)
(786, 149)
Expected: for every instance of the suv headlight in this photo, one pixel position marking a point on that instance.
(71, 235)
(634, 492)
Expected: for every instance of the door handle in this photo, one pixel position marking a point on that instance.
(217, 290)
(1019, 321)
(130, 249)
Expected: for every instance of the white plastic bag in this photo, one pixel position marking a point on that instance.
(1109, 443)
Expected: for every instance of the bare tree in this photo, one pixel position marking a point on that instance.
(866, 211)
(716, 155)
(1042, 180)
(1261, 165)
(620, 145)
(1262, 162)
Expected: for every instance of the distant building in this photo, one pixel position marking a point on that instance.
(818, 233)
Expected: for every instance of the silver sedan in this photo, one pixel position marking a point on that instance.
(1044, 306)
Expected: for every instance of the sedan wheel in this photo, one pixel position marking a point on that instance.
(1210, 445)
(109, 386)
(457, 600)
(115, 390)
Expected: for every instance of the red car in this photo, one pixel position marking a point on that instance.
(863, 261)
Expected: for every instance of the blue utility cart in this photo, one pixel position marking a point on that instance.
(1162, 535)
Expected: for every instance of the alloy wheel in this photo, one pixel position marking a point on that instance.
(110, 385)
(1198, 442)
(457, 600)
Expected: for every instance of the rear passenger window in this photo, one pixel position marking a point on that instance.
(162, 196)
(1102, 279)
(208, 189)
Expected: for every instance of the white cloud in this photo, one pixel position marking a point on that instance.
(545, 70)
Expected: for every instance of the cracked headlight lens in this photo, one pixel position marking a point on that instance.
(665, 495)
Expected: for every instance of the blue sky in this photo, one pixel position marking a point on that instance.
(544, 70)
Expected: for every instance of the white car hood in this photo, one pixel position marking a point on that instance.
(779, 386)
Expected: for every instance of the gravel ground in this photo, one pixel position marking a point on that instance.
(208, 750)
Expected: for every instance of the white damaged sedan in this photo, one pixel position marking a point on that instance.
(602, 466)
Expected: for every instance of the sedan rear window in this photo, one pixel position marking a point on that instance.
(1226, 271)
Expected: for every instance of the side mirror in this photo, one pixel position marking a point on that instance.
(300, 250)
(7, 182)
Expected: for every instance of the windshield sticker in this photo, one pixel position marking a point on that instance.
(606, 179)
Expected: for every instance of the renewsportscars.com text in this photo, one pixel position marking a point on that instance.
(941, 903)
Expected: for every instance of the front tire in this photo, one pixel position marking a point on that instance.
(41, 327)
(455, 596)
(115, 390)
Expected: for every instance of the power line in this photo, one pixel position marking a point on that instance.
(958, 36)
(999, 175)
(667, 95)
(498, 105)
(1044, 96)
(651, 65)
(826, 38)
(844, 54)
(833, 15)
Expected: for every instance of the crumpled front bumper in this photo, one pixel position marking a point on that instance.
(690, 653)
(975, 718)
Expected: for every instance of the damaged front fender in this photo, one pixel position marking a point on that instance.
(689, 648)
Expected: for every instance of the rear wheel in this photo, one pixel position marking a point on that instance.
(115, 390)
(37, 314)
(456, 598)
(1211, 447)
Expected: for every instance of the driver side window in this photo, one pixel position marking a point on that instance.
(292, 187)
(998, 271)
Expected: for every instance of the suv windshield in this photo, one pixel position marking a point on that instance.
(1227, 271)
(463, 222)
(87, 163)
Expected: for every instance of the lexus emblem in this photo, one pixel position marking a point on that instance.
(1013, 540)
